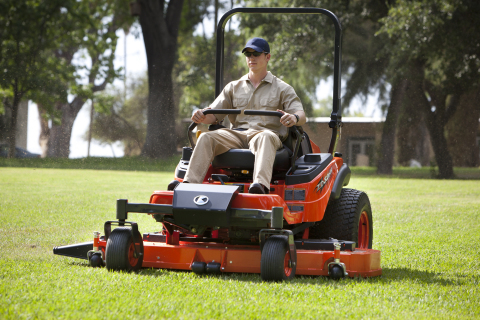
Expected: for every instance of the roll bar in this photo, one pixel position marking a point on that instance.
(297, 133)
(336, 115)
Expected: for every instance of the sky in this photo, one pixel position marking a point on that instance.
(136, 65)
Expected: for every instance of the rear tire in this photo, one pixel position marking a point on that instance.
(347, 218)
(120, 252)
(275, 262)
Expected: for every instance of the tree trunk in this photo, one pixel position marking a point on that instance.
(160, 141)
(60, 134)
(436, 115)
(463, 129)
(12, 126)
(412, 135)
(160, 31)
(387, 145)
(440, 147)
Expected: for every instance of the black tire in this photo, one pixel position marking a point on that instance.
(171, 186)
(120, 251)
(347, 218)
(274, 264)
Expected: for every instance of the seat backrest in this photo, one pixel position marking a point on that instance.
(305, 145)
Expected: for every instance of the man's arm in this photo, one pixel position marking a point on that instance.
(289, 120)
(302, 118)
(199, 117)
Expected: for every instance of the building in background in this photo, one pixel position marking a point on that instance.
(359, 139)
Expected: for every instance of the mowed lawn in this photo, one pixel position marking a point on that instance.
(428, 232)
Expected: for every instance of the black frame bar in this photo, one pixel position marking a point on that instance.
(336, 115)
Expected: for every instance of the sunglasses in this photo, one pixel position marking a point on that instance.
(255, 54)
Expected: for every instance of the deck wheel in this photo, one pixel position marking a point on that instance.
(120, 252)
(96, 260)
(276, 264)
(336, 272)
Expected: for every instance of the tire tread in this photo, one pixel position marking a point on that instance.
(272, 261)
(116, 253)
(340, 217)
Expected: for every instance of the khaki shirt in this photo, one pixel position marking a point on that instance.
(270, 95)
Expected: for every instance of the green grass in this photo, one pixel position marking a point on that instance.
(96, 163)
(419, 173)
(428, 231)
(168, 165)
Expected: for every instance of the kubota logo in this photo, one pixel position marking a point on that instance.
(324, 181)
(200, 200)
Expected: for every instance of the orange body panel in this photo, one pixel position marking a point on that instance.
(317, 194)
(315, 148)
(162, 197)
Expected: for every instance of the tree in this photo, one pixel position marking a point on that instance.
(462, 131)
(153, 115)
(387, 143)
(90, 49)
(160, 23)
(24, 61)
(439, 42)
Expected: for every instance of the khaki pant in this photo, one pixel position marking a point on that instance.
(263, 144)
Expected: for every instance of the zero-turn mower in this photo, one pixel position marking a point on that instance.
(308, 224)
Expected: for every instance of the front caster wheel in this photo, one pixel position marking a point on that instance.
(275, 263)
(120, 254)
(96, 260)
(336, 272)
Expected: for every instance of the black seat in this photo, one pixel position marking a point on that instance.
(238, 159)
(245, 159)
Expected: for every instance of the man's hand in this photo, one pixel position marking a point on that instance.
(288, 120)
(199, 117)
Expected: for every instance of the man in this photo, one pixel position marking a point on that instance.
(257, 90)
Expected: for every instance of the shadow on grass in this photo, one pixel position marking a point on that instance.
(389, 275)
(79, 263)
(405, 274)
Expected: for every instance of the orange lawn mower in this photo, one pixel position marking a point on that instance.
(308, 223)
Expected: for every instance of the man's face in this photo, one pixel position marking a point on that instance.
(259, 63)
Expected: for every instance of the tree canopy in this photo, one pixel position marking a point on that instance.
(421, 57)
(436, 45)
(28, 31)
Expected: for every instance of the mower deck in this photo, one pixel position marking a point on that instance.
(246, 258)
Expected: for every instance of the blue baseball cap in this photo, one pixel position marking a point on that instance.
(257, 44)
